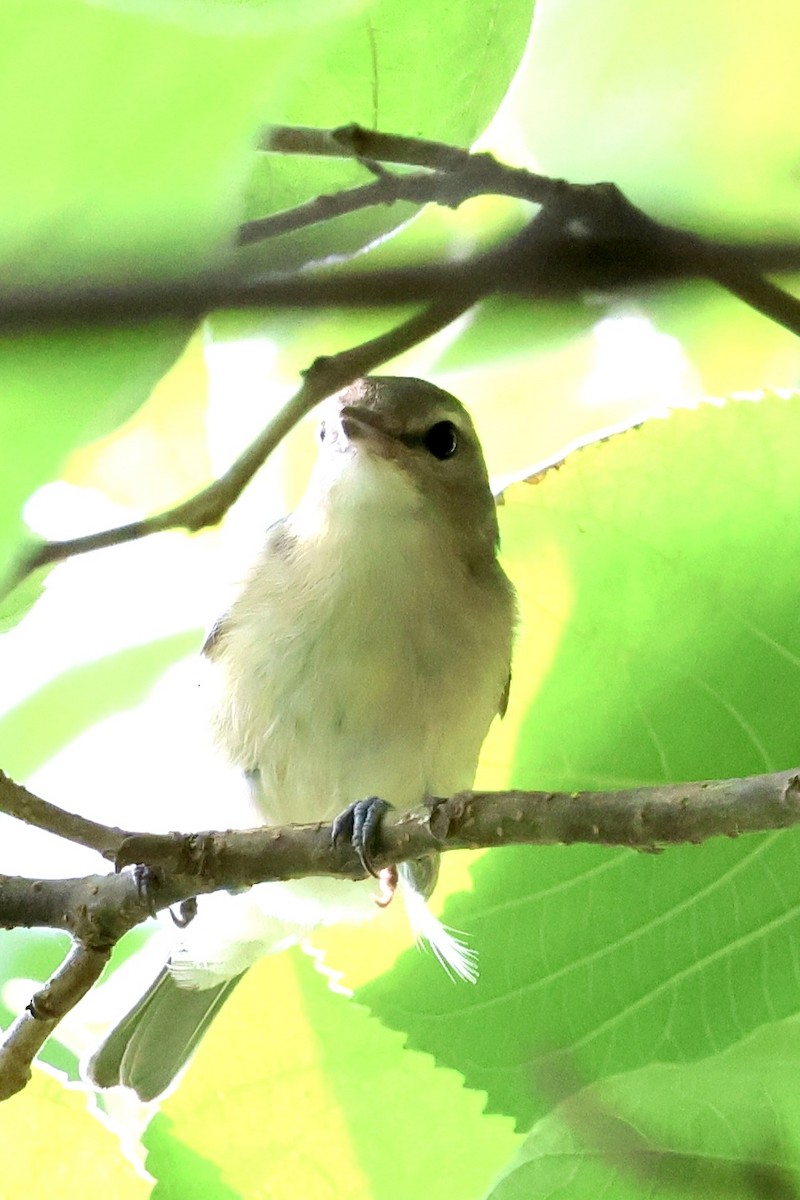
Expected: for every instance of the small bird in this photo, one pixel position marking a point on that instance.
(360, 666)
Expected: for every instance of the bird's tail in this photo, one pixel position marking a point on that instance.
(150, 1045)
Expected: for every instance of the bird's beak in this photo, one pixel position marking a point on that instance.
(361, 424)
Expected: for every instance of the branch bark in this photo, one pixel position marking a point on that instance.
(17, 801)
(100, 909)
(24, 1039)
(644, 818)
(187, 864)
(575, 265)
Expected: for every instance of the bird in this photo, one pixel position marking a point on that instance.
(360, 665)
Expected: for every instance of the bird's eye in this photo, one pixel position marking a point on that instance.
(441, 439)
(321, 432)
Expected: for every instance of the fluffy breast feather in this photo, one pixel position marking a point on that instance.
(361, 658)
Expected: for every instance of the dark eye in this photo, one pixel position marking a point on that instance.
(321, 432)
(441, 439)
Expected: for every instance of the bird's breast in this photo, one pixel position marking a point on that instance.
(362, 666)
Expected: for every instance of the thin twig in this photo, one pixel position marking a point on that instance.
(207, 507)
(25, 1037)
(17, 801)
(760, 294)
(643, 818)
(354, 141)
(478, 175)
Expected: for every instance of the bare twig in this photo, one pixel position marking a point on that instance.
(460, 174)
(760, 294)
(643, 818)
(17, 801)
(604, 265)
(24, 1039)
(478, 175)
(99, 909)
(354, 141)
(207, 507)
(322, 208)
(601, 243)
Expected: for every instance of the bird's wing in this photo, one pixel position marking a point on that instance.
(504, 698)
(278, 544)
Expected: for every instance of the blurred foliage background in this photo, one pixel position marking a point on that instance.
(659, 635)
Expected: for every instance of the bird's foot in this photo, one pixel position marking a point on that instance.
(146, 880)
(187, 911)
(360, 825)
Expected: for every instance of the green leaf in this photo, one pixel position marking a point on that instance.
(179, 1170)
(131, 140)
(677, 630)
(678, 102)
(233, 17)
(732, 347)
(503, 328)
(659, 640)
(296, 1091)
(728, 1126)
(427, 68)
(81, 1154)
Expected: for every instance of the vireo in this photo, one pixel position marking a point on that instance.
(365, 656)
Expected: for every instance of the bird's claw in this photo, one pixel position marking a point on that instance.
(360, 825)
(187, 911)
(146, 881)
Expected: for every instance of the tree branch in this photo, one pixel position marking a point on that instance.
(585, 238)
(354, 141)
(608, 264)
(100, 909)
(25, 1037)
(602, 244)
(17, 801)
(476, 175)
(642, 818)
